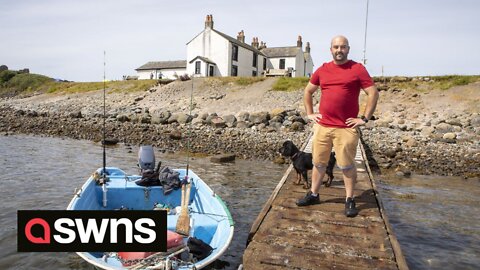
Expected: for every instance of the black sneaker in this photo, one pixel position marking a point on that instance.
(309, 199)
(350, 209)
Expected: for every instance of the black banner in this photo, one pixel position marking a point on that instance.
(94, 231)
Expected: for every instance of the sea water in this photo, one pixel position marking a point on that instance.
(435, 219)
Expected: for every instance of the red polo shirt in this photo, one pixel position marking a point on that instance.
(340, 86)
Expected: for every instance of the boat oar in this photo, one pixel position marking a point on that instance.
(183, 222)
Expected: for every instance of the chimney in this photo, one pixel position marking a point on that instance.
(255, 42)
(263, 45)
(209, 21)
(299, 41)
(241, 37)
(307, 48)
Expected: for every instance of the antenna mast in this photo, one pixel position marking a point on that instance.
(364, 60)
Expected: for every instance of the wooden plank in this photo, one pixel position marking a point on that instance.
(399, 257)
(286, 236)
(267, 205)
(292, 257)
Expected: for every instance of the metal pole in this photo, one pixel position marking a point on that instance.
(365, 38)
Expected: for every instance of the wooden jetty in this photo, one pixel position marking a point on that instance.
(285, 236)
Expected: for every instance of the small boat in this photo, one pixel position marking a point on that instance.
(209, 219)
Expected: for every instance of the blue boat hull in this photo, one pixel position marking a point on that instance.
(212, 222)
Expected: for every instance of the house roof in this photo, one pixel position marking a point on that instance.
(204, 59)
(281, 51)
(307, 55)
(239, 43)
(164, 65)
(232, 40)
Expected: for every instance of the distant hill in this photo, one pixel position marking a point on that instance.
(21, 83)
(13, 83)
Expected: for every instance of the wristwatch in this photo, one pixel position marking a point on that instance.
(364, 119)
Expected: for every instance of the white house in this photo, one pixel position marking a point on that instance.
(162, 70)
(213, 53)
(291, 60)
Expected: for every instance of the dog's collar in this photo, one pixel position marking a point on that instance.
(294, 156)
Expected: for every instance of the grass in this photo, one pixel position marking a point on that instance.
(112, 86)
(13, 83)
(449, 81)
(435, 82)
(243, 81)
(290, 84)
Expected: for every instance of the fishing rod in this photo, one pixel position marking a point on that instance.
(189, 133)
(104, 116)
(104, 172)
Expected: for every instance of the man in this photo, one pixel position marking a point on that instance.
(340, 82)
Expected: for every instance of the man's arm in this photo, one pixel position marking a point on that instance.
(372, 98)
(308, 102)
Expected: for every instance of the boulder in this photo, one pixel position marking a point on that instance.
(123, 118)
(243, 116)
(443, 128)
(218, 122)
(223, 158)
(230, 120)
(145, 118)
(183, 118)
(449, 136)
(297, 126)
(277, 112)
(259, 117)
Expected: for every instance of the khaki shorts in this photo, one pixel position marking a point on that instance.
(343, 140)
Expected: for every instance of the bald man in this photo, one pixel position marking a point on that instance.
(337, 120)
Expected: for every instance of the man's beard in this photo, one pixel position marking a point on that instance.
(340, 56)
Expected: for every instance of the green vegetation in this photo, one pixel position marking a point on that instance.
(236, 80)
(427, 83)
(111, 86)
(13, 83)
(290, 84)
(446, 82)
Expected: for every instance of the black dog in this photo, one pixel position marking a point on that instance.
(302, 162)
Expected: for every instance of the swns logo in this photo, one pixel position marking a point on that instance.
(96, 231)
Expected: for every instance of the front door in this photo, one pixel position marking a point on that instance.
(210, 71)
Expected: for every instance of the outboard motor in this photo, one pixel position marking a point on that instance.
(146, 163)
(146, 158)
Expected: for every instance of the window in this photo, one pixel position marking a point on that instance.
(235, 52)
(255, 56)
(282, 64)
(197, 67)
(234, 70)
(264, 63)
(254, 73)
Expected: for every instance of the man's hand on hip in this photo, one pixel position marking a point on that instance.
(315, 117)
(354, 122)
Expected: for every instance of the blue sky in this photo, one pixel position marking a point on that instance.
(66, 39)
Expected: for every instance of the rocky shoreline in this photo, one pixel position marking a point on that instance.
(409, 134)
(247, 141)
